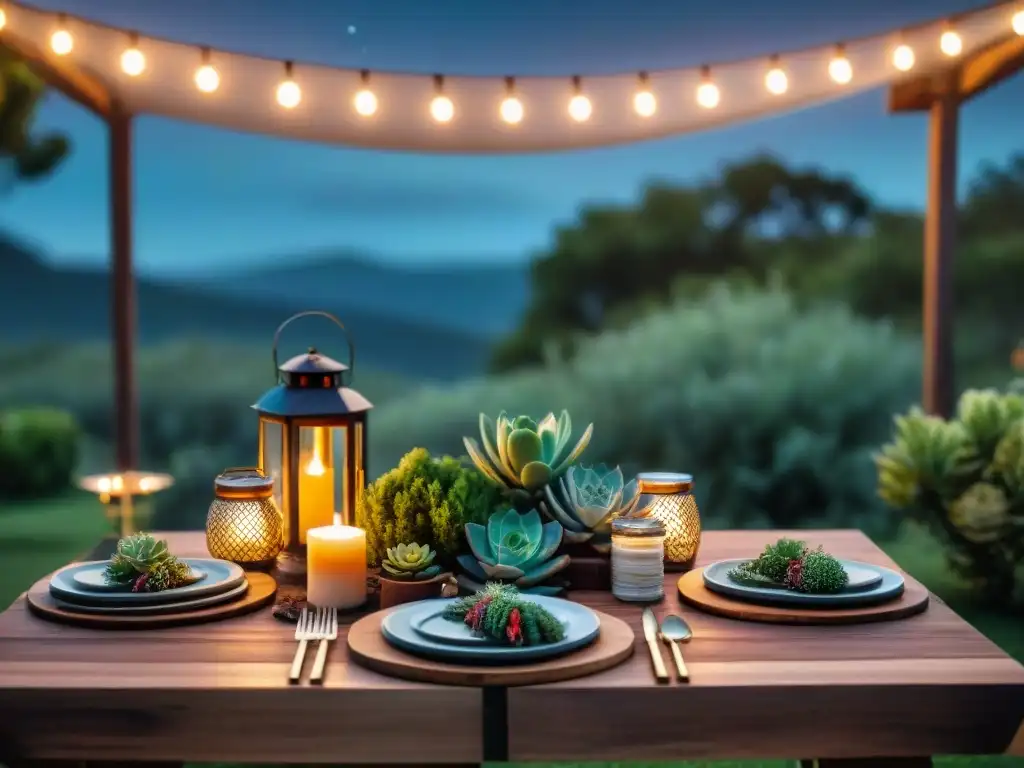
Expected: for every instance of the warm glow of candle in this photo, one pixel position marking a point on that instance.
(336, 566)
(316, 487)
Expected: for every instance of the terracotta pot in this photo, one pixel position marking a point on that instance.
(395, 592)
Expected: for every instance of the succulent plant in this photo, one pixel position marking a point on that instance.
(524, 455)
(585, 500)
(514, 549)
(410, 562)
(144, 563)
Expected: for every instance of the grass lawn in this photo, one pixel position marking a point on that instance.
(38, 537)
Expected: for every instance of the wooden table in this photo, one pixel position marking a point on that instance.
(922, 686)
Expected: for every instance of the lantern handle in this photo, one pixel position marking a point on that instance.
(313, 313)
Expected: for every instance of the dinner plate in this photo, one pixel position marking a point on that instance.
(235, 593)
(582, 627)
(862, 591)
(95, 579)
(221, 576)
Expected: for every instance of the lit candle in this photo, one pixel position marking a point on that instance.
(336, 566)
(316, 489)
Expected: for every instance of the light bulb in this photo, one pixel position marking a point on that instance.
(442, 109)
(840, 69)
(133, 62)
(365, 102)
(903, 58)
(512, 110)
(1018, 23)
(61, 42)
(644, 103)
(289, 94)
(580, 108)
(708, 95)
(776, 81)
(3, 18)
(207, 79)
(951, 43)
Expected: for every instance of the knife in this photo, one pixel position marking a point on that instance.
(651, 635)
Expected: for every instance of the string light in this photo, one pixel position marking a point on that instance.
(580, 108)
(840, 69)
(133, 62)
(776, 81)
(903, 57)
(1017, 23)
(511, 107)
(289, 95)
(951, 43)
(442, 109)
(207, 77)
(708, 95)
(365, 100)
(644, 101)
(61, 41)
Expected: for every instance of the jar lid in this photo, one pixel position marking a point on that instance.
(664, 482)
(243, 481)
(637, 526)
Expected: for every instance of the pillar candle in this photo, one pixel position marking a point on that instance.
(316, 496)
(336, 566)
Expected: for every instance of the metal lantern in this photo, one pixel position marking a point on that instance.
(244, 524)
(668, 496)
(312, 443)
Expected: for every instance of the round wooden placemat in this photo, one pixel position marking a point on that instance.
(692, 590)
(261, 592)
(367, 647)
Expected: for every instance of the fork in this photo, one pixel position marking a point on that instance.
(325, 631)
(303, 634)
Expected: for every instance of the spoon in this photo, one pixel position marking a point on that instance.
(674, 631)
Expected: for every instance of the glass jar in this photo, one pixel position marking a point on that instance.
(638, 559)
(668, 496)
(244, 524)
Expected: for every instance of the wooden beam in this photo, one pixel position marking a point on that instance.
(123, 318)
(73, 81)
(939, 244)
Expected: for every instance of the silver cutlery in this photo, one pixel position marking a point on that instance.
(650, 622)
(674, 631)
(303, 634)
(326, 631)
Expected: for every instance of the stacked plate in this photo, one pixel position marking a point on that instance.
(81, 588)
(866, 585)
(421, 629)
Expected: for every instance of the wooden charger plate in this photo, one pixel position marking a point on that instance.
(261, 592)
(367, 647)
(913, 601)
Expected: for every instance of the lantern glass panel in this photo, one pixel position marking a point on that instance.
(321, 471)
(359, 443)
(271, 462)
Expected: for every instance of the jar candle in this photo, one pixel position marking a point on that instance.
(336, 566)
(244, 524)
(668, 497)
(638, 559)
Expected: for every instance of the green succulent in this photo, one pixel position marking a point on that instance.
(524, 455)
(585, 500)
(986, 415)
(514, 549)
(135, 555)
(981, 514)
(410, 561)
(1008, 461)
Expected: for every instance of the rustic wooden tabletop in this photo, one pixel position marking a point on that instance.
(926, 685)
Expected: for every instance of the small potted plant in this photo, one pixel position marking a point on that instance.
(408, 574)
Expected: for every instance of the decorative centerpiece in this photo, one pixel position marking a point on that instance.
(144, 564)
(514, 549)
(790, 564)
(500, 613)
(409, 574)
(312, 442)
(244, 524)
(668, 496)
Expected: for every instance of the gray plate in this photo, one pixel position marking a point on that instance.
(94, 580)
(235, 593)
(582, 624)
(888, 587)
(221, 576)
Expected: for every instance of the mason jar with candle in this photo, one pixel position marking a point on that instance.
(244, 524)
(668, 497)
(312, 443)
(638, 559)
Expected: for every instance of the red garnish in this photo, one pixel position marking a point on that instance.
(795, 574)
(140, 583)
(513, 631)
(475, 615)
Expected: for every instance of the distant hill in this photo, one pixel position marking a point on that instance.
(39, 302)
(485, 299)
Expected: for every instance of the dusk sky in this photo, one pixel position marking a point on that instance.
(209, 198)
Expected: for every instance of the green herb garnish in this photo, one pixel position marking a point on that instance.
(790, 564)
(499, 612)
(146, 565)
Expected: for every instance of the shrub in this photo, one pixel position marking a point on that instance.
(775, 411)
(38, 452)
(964, 480)
(426, 501)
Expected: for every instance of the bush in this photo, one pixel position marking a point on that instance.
(425, 501)
(38, 452)
(775, 411)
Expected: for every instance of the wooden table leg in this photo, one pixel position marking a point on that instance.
(869, 762)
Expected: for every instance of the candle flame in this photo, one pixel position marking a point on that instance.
(315, 466)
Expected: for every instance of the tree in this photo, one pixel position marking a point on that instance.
(26, 156)
(995, 200)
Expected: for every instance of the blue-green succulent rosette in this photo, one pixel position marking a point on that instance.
(585, 500)
(516, 549)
